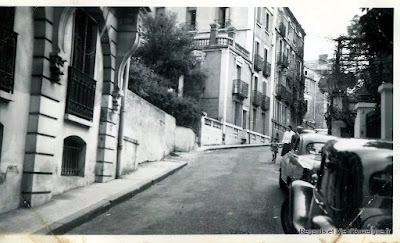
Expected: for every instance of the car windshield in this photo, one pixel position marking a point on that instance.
(314, 148)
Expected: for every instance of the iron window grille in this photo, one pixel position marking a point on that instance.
(81, 85)
(73, 157)
(8, 44)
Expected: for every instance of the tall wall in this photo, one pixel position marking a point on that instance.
(152, 128)
(209, 102)
(14, 112)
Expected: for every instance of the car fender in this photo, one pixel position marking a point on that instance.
(300, 197)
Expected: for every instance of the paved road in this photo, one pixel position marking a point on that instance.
(232, 191)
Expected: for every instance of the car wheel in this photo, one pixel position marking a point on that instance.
(282, 184)
(285, 219)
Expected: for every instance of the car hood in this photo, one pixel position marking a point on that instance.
(310, 161)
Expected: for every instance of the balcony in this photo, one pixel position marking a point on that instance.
(280, 92)
(283, 59)
(204, 43)
(282, 29)
(240, 88)
(267, 69)
(8, 43)
(191, 26)
(289, 97)
(80, 94)
(223, 23)
(265, 101)
(258, 62)
(256, 98)
(290, 77)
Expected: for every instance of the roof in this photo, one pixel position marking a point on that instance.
(370, 151)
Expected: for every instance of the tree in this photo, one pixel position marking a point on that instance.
(364, 60)
(167, 48)
(166, 54)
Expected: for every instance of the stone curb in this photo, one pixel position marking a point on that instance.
(68, 223)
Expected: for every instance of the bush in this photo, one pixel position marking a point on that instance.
(148, 85)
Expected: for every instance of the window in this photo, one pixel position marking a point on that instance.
(8, 44)
(244, 119)
(306, 105)
(259, 15)
(238, 72)
(265, 55)
(160, 11)
(255, 84)
(254, 119)
(191, 18)
(263, 118)
(81, 85)
(267, 21)
(223, 17)
(1, 138)
(264, 88)
(257, 48)
(237, 110)
(74, 152)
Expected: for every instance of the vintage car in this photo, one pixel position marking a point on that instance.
(303, 160)
(353, 193)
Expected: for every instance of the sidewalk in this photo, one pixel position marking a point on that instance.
(229, 146)
(68, 209)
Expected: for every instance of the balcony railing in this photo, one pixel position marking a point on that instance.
(283, 59)
(289, 97)
(8, 43)
(223, 23)
(191, 26)
(265, 101)
(204, 43)
(258, 62)
(267, 69)
(80, 94)
(256, 98)
(224, 41)
(282, 29)
(240, 88)
(281, 92)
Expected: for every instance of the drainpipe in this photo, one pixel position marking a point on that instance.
(127, 61)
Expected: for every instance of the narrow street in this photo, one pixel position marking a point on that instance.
(233, 191)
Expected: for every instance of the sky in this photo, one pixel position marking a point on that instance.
(322, 23)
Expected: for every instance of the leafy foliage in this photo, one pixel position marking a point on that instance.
(364, 60)
(167, 48)
(151, 86)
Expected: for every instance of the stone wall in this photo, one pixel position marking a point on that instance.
(185, 139)
(150, 127)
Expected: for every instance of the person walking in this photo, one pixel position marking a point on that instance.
(287, 140)
(274, 148)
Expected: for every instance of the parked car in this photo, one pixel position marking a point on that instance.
(303, 160)
(321, 131)
(353, 193)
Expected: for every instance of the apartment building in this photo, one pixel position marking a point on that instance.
(61, 76)
(238, 45)
(316, 100)
(288, 96)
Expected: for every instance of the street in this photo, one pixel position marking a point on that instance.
(232, 191)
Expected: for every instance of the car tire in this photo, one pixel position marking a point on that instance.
(285, 219)
(282, 184)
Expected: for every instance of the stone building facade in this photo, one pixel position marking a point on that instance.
(288, 72)
(64, 102)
